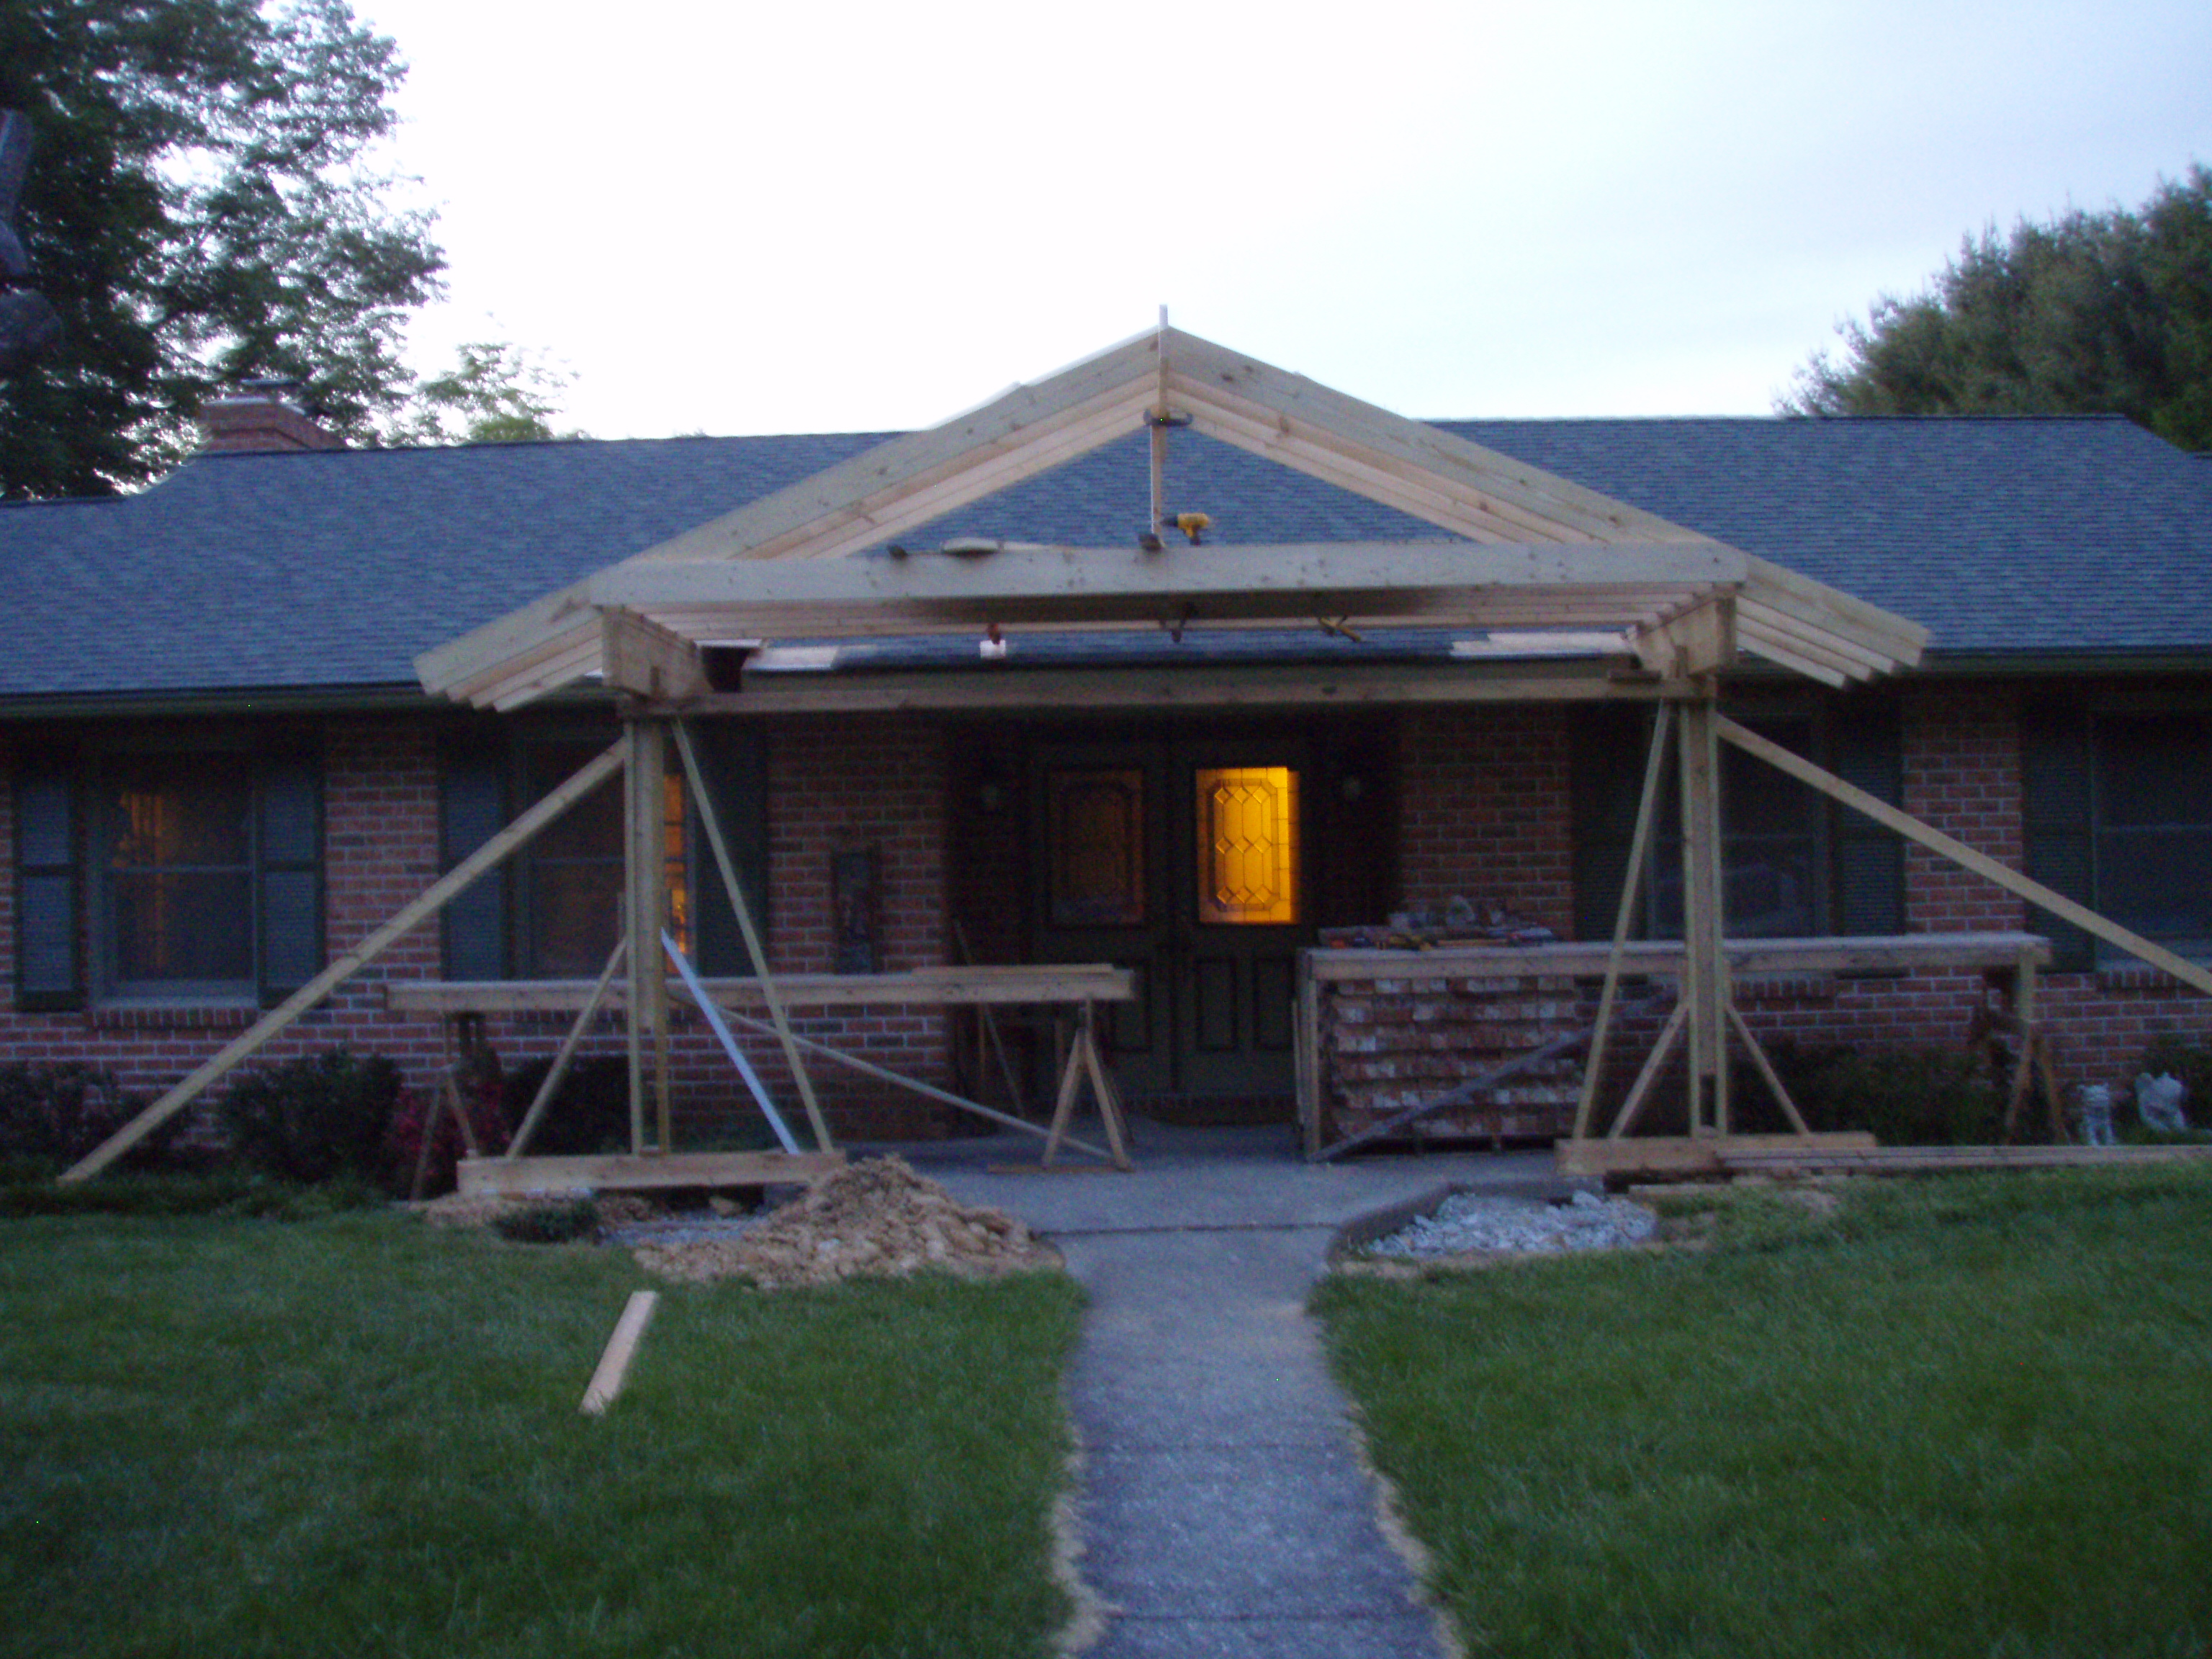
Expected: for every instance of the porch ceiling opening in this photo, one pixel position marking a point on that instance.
(1536, 551)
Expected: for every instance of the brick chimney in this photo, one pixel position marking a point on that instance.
(261, 415)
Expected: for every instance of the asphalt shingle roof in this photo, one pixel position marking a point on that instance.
(334, 569)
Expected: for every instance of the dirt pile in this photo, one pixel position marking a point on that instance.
(875, 1217)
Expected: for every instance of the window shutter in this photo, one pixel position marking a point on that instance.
(289, 804)
(1868, 750)
(49, 952)
(2055, 807)
(733, 763)
(471, 810)
(1610, 747)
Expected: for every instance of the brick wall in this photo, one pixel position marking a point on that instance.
(834, 785)
(1484, 810)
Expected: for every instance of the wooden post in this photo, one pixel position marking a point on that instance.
(410, 918)
(1704, 976)
(1639, 843)
(646, 870)
(711, 822)
(559, 1069)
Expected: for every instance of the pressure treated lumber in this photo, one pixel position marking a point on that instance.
(565, 1056)
(1957, 851)
(1747, 958)
(710, 820)
(1624, 916)
(250, 1041)
(1663, 1156)
(621, 1348)
(939, 987)
(617, 1172)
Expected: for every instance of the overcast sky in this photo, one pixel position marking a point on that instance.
(736, 218)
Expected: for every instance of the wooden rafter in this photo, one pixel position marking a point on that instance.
(1510, 513)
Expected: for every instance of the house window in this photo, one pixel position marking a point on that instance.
(553, 911)
(1794, 864)
(193, 873)
(2117, 814)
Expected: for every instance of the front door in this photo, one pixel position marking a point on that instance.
(1182, 857)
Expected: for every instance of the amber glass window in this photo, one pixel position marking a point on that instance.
(1096, 871)
(1247, 845)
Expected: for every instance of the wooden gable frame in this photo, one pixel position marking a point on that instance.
(1539, 550)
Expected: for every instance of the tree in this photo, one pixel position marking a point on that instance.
(2094, 312)
(200, 208)
(494, 393)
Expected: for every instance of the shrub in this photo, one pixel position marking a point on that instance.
(554, 1221)
(52, 1115)
(1904, 1096)
(320, 1118)
(231, 1191)
(590, 1114)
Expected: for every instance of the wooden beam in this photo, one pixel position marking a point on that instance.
(1752, 958)
(710, 820)
(543, 1100)
(1705, 982)
(640, 656)
(645, 914)
(621, 1348)
(875, 481)
(411, 917)
(1662, 1156)
(1638, 844)
(1082, 585)
(444, 666)
(614, 1172)
(1699, 639)
(2149, 950)
(919, 988)
(1208, 376)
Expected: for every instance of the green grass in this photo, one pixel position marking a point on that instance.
(1959, 1417)
(354, 1435)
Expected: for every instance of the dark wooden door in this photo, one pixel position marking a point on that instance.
(1181, 858)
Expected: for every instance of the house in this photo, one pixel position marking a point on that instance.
(257, 709)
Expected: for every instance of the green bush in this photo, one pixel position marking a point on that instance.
(554, 1221)
(590, 1114)
(324, 1117)
(52, 1115)
(231, 1191)
(1904, 1096)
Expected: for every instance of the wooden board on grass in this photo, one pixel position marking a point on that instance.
(618, 1172)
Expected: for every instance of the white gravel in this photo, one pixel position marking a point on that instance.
(1471, 1221)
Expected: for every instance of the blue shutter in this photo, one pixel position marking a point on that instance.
(472, 774)
(288, 888)
(49, 933)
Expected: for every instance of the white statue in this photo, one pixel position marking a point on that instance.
(2158, 1102)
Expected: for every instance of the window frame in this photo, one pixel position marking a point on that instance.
(1856, 869)
(283, 919)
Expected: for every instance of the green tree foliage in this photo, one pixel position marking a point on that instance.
(494, 393)
(2094, 312)
(201, 208)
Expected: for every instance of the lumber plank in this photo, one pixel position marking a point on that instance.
(1200, 369)
(958, 987)
(1683, 1155)
(618, 1172)
(640, 656)
(877, 474)
(410, 917)
(1624, 916)
(622, 1349)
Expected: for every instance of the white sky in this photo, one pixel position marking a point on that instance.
(790, 217)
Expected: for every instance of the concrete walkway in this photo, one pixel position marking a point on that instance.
(1223, 1508)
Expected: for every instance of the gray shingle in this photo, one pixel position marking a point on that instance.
(333, 569)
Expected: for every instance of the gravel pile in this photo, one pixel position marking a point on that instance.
(1471, 1223)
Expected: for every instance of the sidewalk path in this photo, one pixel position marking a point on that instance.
(1225, 1513)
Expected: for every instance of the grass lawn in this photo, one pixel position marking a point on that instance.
(355, 1435)
(1971, 1416)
